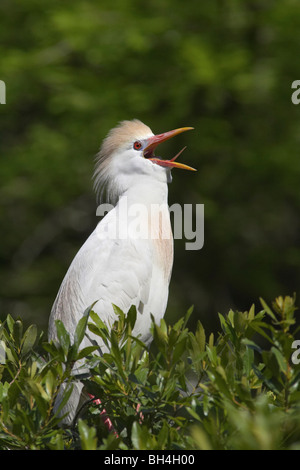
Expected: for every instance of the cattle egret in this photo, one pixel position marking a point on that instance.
(111, 268)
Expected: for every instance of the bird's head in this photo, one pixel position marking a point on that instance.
(127, 156)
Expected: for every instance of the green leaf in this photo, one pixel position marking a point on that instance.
(87, 436)
(29, 339)
(140, 436)
(251, 344)
(116, 353)
(248, 360)
(258, 327)
(179, 349)
(67, 390)
(99, 328)
(251, 314)
(81, 327)
(193, 413)
(239, 322)
(267, 309)
(265, 380)
(160, 335)
(200, 336)
(17, 332)
(131, 316)
(86, 351)
(280, 359)
(187, 316)
(63, 336)
(211, 340)
(10, 323)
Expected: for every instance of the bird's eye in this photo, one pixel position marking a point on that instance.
(137, 145)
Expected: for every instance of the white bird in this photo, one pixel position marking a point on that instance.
(115, 266)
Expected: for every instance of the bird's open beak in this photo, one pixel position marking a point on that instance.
(158, 139)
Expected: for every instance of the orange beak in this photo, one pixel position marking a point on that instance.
(158, 139)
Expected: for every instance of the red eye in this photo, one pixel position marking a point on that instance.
(137, 145)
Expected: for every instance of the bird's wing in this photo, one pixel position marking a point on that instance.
(106, 270)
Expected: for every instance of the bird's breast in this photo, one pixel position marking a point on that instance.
(162, 239)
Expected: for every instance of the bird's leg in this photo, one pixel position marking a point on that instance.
(106, 420)
(141, 414)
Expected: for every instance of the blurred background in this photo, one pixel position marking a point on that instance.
(74, 69)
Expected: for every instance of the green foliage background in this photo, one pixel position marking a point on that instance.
(74, 69)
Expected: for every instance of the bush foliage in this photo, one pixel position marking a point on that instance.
(190, 390)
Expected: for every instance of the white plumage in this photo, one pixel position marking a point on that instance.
(116, 265)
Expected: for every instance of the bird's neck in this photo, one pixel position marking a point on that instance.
(145, 208)
(147, 193)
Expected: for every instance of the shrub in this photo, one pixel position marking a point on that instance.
(188, 391)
